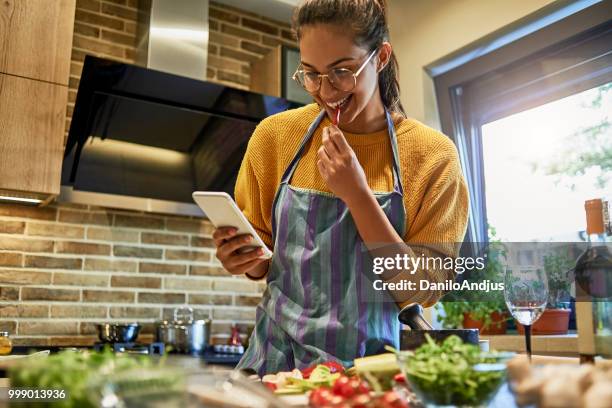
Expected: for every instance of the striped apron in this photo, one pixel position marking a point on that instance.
(319, 304)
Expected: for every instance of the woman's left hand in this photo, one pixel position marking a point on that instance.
(339, 166)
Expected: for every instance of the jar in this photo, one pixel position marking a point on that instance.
(6, 346)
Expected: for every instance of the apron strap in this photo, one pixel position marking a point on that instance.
(397, 181)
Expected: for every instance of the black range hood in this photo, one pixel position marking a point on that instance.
(145, 140)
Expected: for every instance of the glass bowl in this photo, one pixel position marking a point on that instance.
(445, 382)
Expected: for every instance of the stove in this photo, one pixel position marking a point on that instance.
(153, 349)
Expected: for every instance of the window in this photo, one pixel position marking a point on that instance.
(514, 112)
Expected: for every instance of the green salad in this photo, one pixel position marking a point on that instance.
(84, 375)
(452, 372)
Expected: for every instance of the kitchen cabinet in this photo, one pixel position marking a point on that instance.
(32, 117)
(36, 38)
(272, 75)
(35, 49)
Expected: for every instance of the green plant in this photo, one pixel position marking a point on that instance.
(557, 267)
(480, 305)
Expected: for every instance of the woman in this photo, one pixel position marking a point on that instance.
(312, 190)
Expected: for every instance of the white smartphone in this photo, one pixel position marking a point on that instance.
(222, 211)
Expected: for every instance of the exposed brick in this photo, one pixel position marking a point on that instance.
(136, 282)
(112, 234)
(239, 32)
(210, 73)
(222, 39)
(73, 82)
(92, 5)
(187, 284)
(66, 247)
(247, 300)
(273, 41)
(30, 341)
(135, 312)
(55, 230)
(49, 294)
(184, 255)
(224, 63)
(107, 296)
(209, 299)
(235, 285)
(9, 326)
(167, 298)
(212, 50)
(24, 310)
(52, 263)
(48, 327)
(110, 265)
(245, 69)
(288, 35)
(252, 47)
(136, 252)
(20, 277)
(88, 328)
(81, 217)
(82, 280)
(10, 259)
(238, 55)
(130, 54)
(78, 56)
(22, 211)
(231, 77)
(138, 222)
(86, 30)
(213, 25)
(9, 293)
(202, 242)
(96, 46)
(119, 38)
(123, 12)
(79, 311)
(132, 3)
(207, 271)
(71, 96)
(119, 2)
(12, 227)
(163, 268)
(259, 26)
(164, 239)
(130, 27)
(98, 20)
(202, 227)
(223, 15)
(72, 341)
(234, 314)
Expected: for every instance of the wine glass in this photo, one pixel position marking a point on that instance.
(526, 293)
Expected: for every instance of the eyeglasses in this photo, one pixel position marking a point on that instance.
(343, 79)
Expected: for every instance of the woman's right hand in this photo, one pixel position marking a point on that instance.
(228, 251)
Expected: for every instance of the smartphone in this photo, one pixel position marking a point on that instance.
(222, 211)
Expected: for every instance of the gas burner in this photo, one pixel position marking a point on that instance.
(154, 349)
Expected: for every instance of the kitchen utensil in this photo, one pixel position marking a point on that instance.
(412, 316)
(118, 332)
(184, 334)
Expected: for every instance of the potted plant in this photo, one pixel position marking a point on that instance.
(484, 311)
(555, 319)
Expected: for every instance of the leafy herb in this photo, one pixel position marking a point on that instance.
(452, 372)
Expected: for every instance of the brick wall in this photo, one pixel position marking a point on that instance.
(67, 266)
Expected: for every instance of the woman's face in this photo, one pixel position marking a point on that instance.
(324, 47)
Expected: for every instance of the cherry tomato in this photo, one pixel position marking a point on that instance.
(360, 401)
(392, 400)
(336, 400)
(271, 386)
(400, 378)
(360, 387)
(339, 385)
(334, 367)
(320, 397)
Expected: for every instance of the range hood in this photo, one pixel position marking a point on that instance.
(144, 139)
